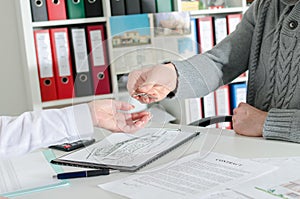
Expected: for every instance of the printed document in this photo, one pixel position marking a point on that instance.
(190, 177)
(282, 183)
(224, 194)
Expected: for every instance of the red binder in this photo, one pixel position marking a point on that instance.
(205, 33)
(56, 9)
(222, 101)
(232, 21)
(45, 65)
(62, 62)
(98, 59)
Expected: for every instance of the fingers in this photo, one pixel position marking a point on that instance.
(136, 79)
(132, 81)
(136, 125)
(139, 115)
(142, 120)
(134, 121)
(145, 98)
(157, 82)
(235, 111)
(146, 87)
(241, 106)
(150, 93)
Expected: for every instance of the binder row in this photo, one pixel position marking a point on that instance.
(213, 29)
(72, 62)
(44, 10)
(127, 7)
(220, 102)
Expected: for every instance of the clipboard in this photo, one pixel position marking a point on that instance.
(127, 152)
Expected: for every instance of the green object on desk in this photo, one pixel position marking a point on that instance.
(48, 155)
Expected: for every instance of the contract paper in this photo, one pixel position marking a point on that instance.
(193, 176)
(282, 183)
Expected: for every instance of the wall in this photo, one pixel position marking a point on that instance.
(13, 98)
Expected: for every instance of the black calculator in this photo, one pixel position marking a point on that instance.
(73, 145)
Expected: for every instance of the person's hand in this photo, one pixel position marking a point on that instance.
(111, 115)
(248, 120)
(152, 84)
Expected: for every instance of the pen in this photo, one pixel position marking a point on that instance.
(82, 174)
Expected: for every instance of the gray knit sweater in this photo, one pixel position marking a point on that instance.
(267, 44)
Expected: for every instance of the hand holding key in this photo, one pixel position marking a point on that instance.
(152, 84)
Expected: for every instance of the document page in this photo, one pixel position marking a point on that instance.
(190, 177)
(282, 183)
(27, 174)
(129, 151)
(224, 194)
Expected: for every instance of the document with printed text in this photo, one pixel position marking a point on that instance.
(190, 177)
(282, 183)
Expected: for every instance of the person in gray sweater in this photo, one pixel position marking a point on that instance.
(266, 44)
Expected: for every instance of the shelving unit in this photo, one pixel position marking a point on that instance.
(70, 22)
(196, 13)
(29, 57)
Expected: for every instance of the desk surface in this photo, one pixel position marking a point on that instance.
(217, 140)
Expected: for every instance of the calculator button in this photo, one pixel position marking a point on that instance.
(67, 146)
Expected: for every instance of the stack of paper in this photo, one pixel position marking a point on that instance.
(191, 177)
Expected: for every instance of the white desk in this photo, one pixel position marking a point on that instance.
(222, 141)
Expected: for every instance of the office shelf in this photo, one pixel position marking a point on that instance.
(29, 57)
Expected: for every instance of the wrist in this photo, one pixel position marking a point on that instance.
(170, 65)
(173, 68)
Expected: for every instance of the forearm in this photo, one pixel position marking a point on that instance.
(202, 74)
(33, 130)
(282, 124)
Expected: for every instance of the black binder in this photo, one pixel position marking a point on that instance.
(93, 8)
(117, 7)
(39, 10)
(133, 7)
(148, 6)
(83, 82)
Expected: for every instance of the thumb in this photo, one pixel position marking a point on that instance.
(144, 88)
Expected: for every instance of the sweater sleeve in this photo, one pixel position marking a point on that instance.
(282, 124)
(204, 73)
(33, 130)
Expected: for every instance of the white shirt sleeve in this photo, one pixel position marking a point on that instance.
(33, 130)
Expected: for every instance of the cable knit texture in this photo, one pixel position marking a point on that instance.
(266, 44)
(256, 49)
(283, 70)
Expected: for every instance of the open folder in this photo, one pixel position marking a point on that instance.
(29, 173)
(127, 152)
